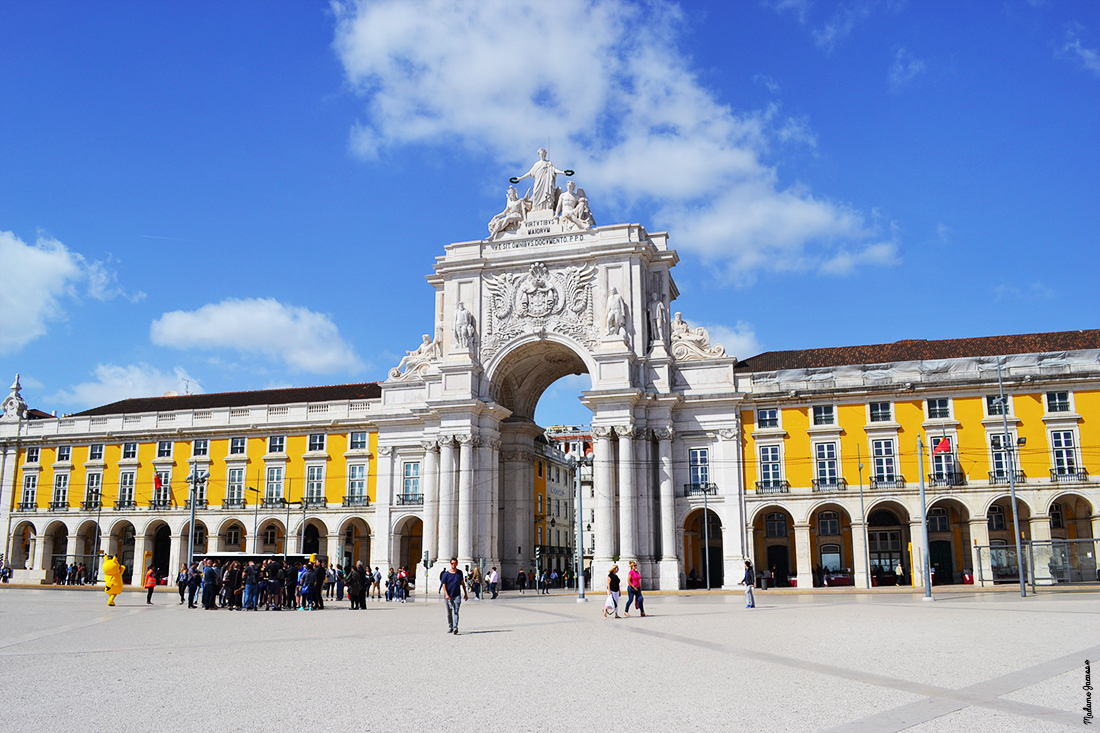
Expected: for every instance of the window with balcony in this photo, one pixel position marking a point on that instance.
(775, 525)
(1057, 401)
(771, 474)
(276, 444)
(234, 487)
(1065, 454)
(357, 482)
(880, 412)
(699, 466)
(93, 491)
(30, 491)
(200, 448)
(316, 442)
(33, 454)
(61, 489)
(823, 415)
(938, 520)
(883, 454)
(768, 418)
(164, 449)
(943, 462)
(64, 453)
(996, 518)
(95, 452)
(273, 489)
(129, 451)
(826, 464)
(315, 484)
(126, 489)
(162, 491)
(358, 441)
(939, 408)
(1000, 457)
(237, 446)
(411, 483)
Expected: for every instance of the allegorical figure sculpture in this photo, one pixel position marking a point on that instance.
(112, 573)
(416, 359)
(657, 318)
(465, 327)
(13, 407)
(692, 343)
(514, 212)
(545, 191)
(616, 314)
(572, 208)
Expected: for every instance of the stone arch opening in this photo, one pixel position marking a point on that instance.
(831, 545)
(354, 543)
(703, 549)
(949, 541)
(888, 540)
(408, 540)
(23, 539)
(523, 373)
(773, 544)
(57, 542)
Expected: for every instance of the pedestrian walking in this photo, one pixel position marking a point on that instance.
(611, 605)
(181, 581)
(634, 589)
(150, 585)
(749, 581)
(453, 583)
(521, 581)
(494, 582)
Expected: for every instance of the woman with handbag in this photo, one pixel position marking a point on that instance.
(611, 605)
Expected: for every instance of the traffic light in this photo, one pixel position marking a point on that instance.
(538, 553)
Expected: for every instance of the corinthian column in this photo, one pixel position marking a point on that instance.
(670, 565)
(628, 496)
(446, 497)
(603, 484)
(431, 498)
(466, 470)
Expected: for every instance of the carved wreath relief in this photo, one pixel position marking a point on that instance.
(539, 301)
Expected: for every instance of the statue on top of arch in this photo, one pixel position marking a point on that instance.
(569, 207)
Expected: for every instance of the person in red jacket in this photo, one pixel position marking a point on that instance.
(150, 585)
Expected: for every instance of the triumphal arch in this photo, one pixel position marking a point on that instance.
(548, 293)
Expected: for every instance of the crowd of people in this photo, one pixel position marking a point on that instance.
(73, 574)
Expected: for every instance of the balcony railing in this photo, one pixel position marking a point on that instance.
(700, 489)
(124, 504)
(356, 501)
(946, 479)
(773, 487)
(160, 503)
(1069, 475)
(59, 506)
(269, 502)
(315, 501)
(28, 506)
(1001, 477)
(199, 504)
(236, 502)
(90, 505)
(830, 484)
(408, 499)
(887, 482)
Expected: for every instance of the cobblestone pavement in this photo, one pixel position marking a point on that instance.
(824, 661)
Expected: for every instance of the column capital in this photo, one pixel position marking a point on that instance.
(493, 443)
(728, 434)
(464, 439)
(431, 446)
(664, 433)
(385, 450)
(601, 431)
(445, 440)
(625, 431)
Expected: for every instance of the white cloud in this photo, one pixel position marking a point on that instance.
(114, 383)
(771, 84)
(304, 340)
(1089, 58)
(739, 341)
(38, 278)
(618, 103)
(905, 68)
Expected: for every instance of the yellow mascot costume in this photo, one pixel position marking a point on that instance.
(112, 572)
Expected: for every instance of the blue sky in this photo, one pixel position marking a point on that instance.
(213, 196)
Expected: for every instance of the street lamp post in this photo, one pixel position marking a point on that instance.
(195, 479)
(255, 521)
(578, 514)
(1008, 447)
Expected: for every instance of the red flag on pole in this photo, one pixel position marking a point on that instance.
(156, 480)
(944, 446)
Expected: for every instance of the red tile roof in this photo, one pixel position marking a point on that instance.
(361, 391)
(923, 350)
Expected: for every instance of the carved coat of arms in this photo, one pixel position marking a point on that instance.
(537, 301)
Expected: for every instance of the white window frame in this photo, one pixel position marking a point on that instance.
(164, 448)
(1064, 458)
(770, 418)
(95, 452)
(200, 448)
(64, 454)
(358, 440)
(699, 466)
(771, 477)
(233, 535)
(34, 455)
(828, 520)
(1000, 460)
(276, 444)
(164, 493)
(357, 480)
(937, 516)
(827, 463)
(238, 446)
(1068, 403)
(30, 489)
(234, 484)
(271, 534)
(889, 412)
(998, 511)
(316, 442)
(928, 408)
(129, 451)
(884, 455)
(273, 485)
(315, 482)
(126, 482)
(410, 479)
(990, 408)
(824, 415)
(942, 464)
(61, 488)
(93, 487)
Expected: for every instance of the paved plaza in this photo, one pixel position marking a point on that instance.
(980, 661)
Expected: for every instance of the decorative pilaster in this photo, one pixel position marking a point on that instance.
(670, 562)
(981, 562)
(447, 544)
(382, 548)
(628, 496)
(466, 471)
(603, 484)
(803, 560)
(431, 497)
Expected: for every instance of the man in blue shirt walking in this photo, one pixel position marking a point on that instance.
(453, 585)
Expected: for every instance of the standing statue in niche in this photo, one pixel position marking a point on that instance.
(512, 216)
(616, 314)
(657, 313)
(465, 327)
(545, 176)
(572, 208)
